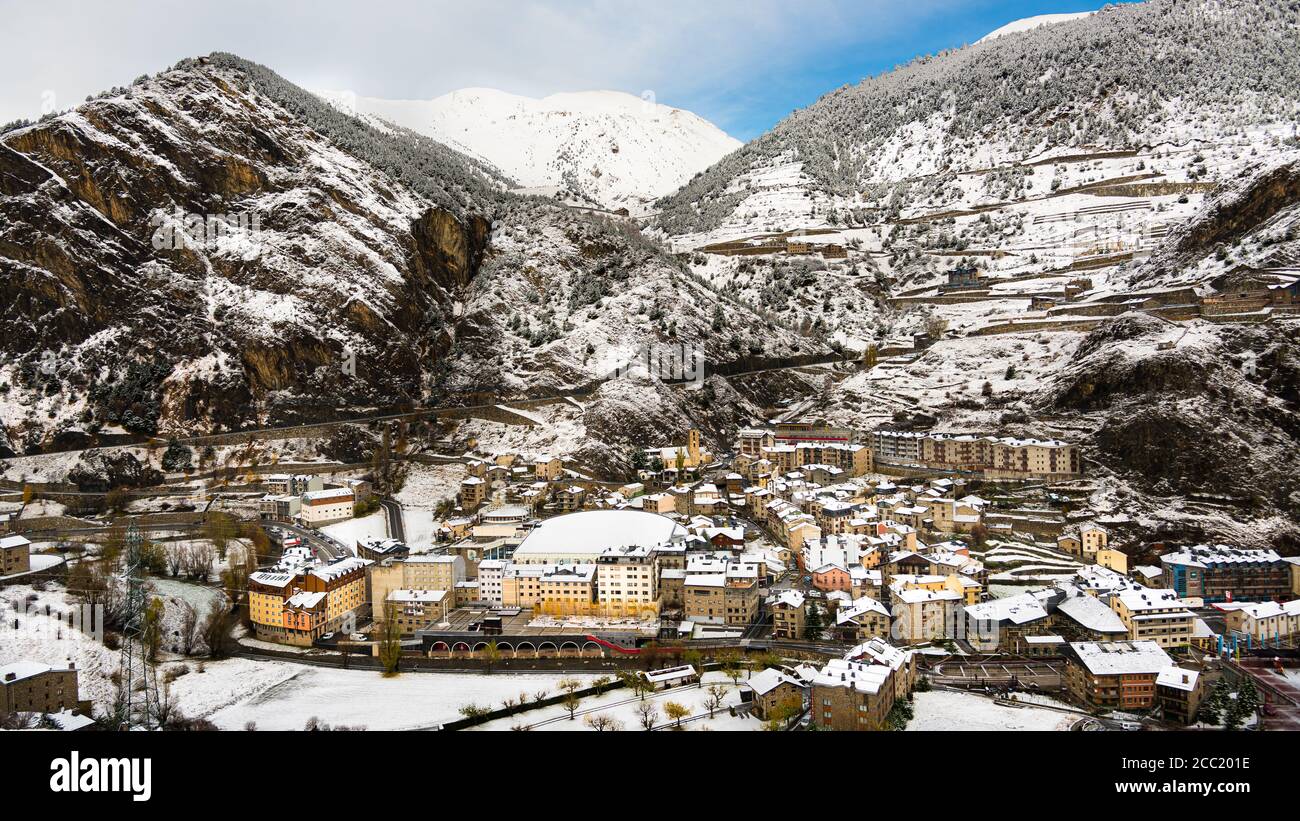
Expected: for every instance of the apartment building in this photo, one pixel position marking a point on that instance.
(728, 597)
(568, 589)
(1217, 573)
(627, 579)
(1092, 540)
(32, 687)
(473, 492)
(862, 619)
(521, 585)
(322, 507)
(414, 610)
(1264, 622)
(853, 460)
(1154, 615)
(1004, 624)
(1178, 694)
(788, 611)
(296, 607)
(283, 508)
(284, 484)
(751, 441)
(770, 689)
(491, 572)
(994, 457)
(15, 555)
(422, 572)
(569, 499)
(831, 577)
(1115, 675)
(852, 696)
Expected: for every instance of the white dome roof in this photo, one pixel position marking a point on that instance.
(588, 533)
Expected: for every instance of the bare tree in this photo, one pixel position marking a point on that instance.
(190, 629)
(165, 710)
(717, 693)
(199, 561)
(175, 558)
(571, 703)
(215, 635)
(647, 714)
(602, 723)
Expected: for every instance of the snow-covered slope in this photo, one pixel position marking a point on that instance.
(1030, 23)
(605, 147)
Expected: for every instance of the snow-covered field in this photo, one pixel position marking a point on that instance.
(374, 526)
(948, 711)
(426, 486)
(621, 706)
(294, 693)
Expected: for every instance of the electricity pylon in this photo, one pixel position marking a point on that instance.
(136, 710)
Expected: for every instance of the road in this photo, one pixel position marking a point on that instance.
(289, 431)
(396, 526)
(327, 547)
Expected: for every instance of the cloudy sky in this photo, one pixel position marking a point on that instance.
(743, 64)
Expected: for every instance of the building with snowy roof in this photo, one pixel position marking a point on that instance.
(1215, 573)
(769, 690)
(1158, 615)
(1119, 675)
(582, 537)
(34, 687)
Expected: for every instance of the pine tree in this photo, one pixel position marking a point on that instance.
(813, 623)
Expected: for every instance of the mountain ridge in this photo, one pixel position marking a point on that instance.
(605, 148)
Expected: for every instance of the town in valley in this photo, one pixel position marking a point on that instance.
(964, 397)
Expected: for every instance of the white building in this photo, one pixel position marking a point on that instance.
(490, 574)
(582, 537)
(326, 506)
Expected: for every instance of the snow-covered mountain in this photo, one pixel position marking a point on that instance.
(1074, 166)
(214, 248)
(601, 147)
(1030, 23)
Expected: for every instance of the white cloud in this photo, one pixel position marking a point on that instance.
(687, 51)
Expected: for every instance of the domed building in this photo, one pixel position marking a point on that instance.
(580, 538)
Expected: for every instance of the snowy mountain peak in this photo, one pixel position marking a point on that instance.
(1030, 23)
(601, 147)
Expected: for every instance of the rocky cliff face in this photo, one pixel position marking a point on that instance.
(1216, 414)
(297, 254)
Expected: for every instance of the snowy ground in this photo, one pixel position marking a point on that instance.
(560, 431)
(621, 706)
(296, 693)
(1013, 562)
(374, 526)
(944, 710)
(426, 487)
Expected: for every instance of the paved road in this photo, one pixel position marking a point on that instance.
(396, 526)
(329, 548)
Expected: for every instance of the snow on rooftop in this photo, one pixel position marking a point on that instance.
(1092, 614)
(1205, 555)
(23, 669)
(1020, 609)
(1113, 658)
(1177, 678)
(589, 532)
